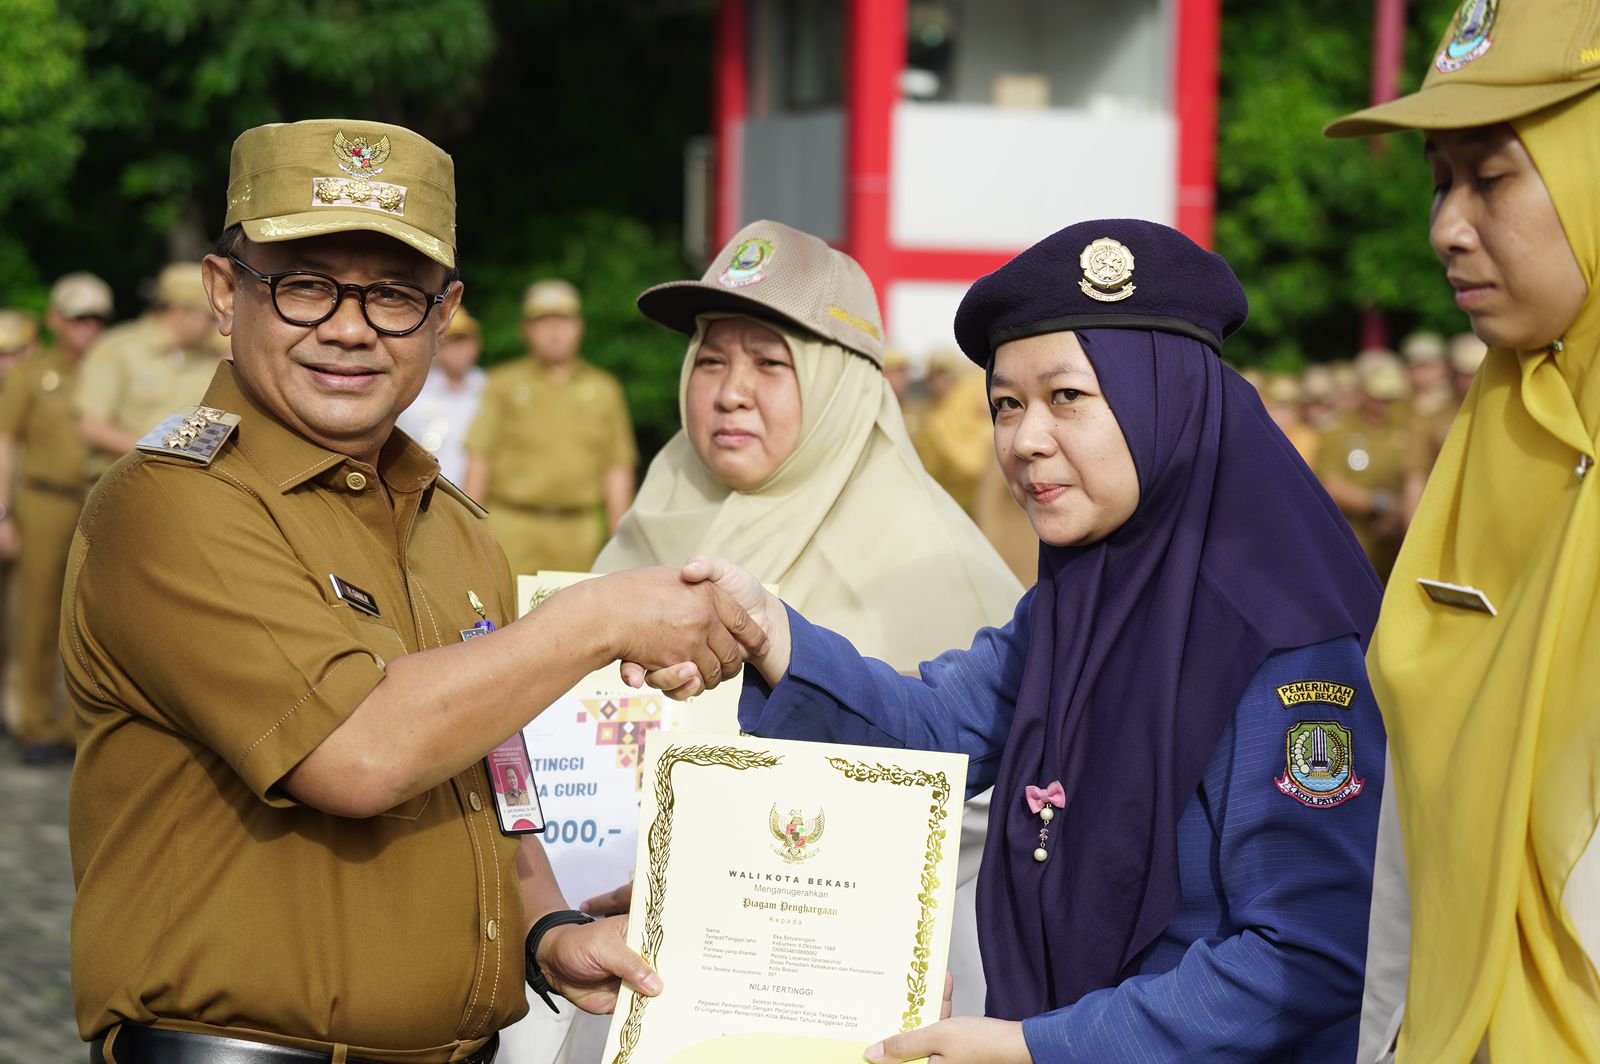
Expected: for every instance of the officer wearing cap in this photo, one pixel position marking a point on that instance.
(281, 648)
(1483, 658)
(1362, 460)
(139, 372)
(448, 403)
(1434, 403)
(1466, 357)
(36, 521)
(552, 444)
(19, 335)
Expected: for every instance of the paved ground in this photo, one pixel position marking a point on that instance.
(36, 1024)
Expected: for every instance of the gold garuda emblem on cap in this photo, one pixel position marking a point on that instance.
(1107, 265)
(358, 158)
(361, 161)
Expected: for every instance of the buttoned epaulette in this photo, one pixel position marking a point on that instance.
(444, 485)
(195, 434)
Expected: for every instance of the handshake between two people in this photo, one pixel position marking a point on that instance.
(754, 627)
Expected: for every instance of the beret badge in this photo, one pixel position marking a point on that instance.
(1107, 266)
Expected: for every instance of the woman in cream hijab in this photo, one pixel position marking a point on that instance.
(825, 497)
(794, 462)
(1489, 687)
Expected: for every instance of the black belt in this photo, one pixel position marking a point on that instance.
(67, 491)
(149, 1045)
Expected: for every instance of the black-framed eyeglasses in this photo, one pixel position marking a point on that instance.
(307, 298)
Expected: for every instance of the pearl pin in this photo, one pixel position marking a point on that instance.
(1040, 855)
(1047, 814)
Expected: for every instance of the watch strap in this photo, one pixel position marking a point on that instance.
(536, 980)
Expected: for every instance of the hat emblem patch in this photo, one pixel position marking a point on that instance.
(358, 158)
(1107, 266)
(748, 265)
(1470, 38)
(361, 161)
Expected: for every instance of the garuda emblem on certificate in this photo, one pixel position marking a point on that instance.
(1321, 764)
(797, 836)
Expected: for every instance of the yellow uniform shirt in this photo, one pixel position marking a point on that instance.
(206, 656)
(36, 412)
(133, 377)
(550, 439)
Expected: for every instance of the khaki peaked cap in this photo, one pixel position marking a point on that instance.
(1498, 60)
(771, 270)
(293, 180)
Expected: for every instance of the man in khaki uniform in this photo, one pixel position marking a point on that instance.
(1362, 462)
(552, 442)
(36, 522)
(1433, 410)
(140, 372)
(285, 842)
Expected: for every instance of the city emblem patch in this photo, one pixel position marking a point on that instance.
(1470, 36)
(1320, 764)
(748, 265)
(797, 837)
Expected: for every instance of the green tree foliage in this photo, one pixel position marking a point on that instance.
(566, 119)
(1321, 230)
(42, 111)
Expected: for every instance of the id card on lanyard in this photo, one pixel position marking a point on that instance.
(516, 796)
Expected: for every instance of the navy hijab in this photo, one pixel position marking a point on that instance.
(1142, 646)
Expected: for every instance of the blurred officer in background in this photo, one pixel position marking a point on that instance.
(1434, 403)
(36, 520)
(19, 336)
(552, 442)
(445, 408)
(1361, 462)
(138, 373)
(1466, 355)
(956, 440)
(1280, 393)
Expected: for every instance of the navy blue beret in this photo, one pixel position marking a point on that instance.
(1115, 273)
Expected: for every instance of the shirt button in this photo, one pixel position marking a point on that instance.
(355, 481)
(475, 801)
(492, 930)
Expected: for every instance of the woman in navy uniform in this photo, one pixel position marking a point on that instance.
(1186, 758)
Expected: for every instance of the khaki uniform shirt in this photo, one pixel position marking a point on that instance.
(549, 440)
(206, 656)
(1371, 457)
(132, 378)
(1432, 417)
(36, 411)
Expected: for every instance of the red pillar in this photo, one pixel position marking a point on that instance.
(729, 104)
(875, 54)
(1198, 30)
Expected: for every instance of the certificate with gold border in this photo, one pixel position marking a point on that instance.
(795, 897)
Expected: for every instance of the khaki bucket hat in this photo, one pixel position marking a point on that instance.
(293, 180)
(771, 270)
(1498, 60)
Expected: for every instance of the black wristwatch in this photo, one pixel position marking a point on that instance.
(536, 980)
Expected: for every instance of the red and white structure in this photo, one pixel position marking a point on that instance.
(933, 140)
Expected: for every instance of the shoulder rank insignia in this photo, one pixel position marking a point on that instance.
(196, 434)
(1335, 694)
(1320, 766)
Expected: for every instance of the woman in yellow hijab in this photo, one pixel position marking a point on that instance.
(1485, 658)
